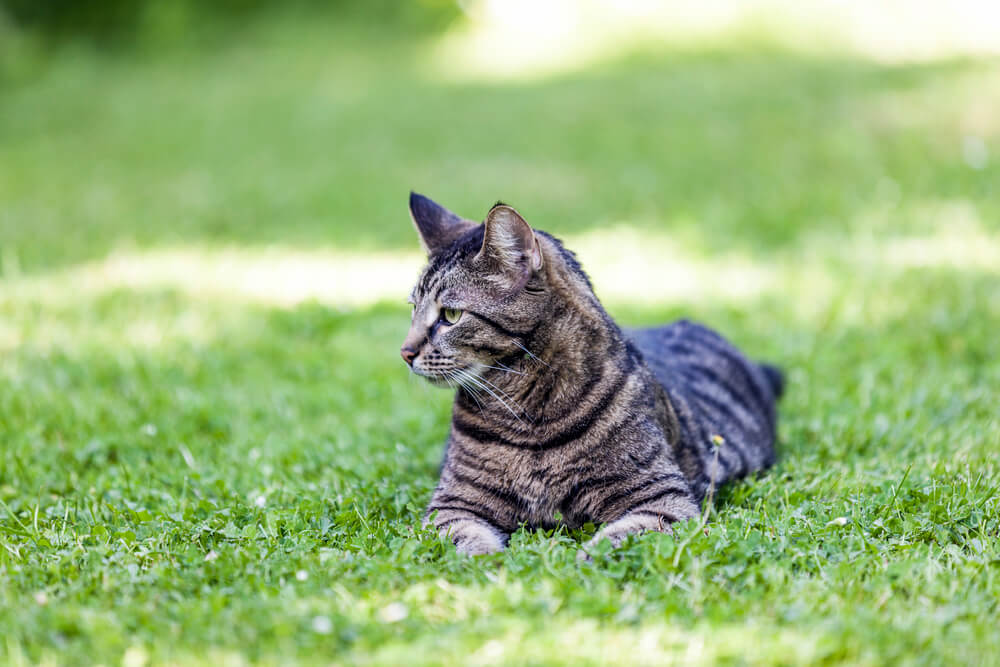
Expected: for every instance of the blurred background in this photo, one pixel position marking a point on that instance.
(227, 180)
(194, 138)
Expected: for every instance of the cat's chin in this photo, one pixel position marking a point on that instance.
(434, 379)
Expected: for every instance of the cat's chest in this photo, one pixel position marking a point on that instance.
(539, 483)
(525, 483)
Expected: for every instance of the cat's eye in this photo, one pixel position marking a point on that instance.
(451, 315)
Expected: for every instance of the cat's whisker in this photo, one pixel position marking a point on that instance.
(503, 365)
(531, 354)
(505, 395)
(471, 390)
(454, 380)
(508, 368)
(503, 369)
(480, 383)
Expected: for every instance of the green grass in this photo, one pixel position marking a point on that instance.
(212, 475)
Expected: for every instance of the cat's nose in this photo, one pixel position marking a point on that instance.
(408, 354)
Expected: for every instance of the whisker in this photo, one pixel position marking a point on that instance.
(504, 394)
(503, 368)
(448, 381)
(502, 402)
(470, 390)
(479, 382)
(530, 353)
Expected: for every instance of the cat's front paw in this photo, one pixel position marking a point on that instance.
(617, 531)
(474, 539)
(616, 538)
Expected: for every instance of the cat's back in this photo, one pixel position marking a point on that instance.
(716, 392)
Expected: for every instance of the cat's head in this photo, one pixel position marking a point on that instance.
(481, 298)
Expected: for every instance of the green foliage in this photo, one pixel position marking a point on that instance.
(195, 477)
(138, 21)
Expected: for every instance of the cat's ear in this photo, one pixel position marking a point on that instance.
(509, 243)
(437, 226)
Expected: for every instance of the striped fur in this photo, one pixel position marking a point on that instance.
(560, 415)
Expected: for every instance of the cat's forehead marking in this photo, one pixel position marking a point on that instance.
(427, 278)
(435, 275)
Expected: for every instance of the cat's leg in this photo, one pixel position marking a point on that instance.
(470, 508)
(650, 504)
(472, 532)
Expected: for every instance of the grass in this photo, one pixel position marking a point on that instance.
(201, 471)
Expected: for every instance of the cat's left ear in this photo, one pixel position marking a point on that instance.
(438, 227)
(509, 243)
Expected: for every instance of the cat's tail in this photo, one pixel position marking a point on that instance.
(775, 377)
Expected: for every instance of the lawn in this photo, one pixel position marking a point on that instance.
(211, 452)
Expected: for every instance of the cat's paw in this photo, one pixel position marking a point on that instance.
(616, 537)
(616, 532)
(475, 539)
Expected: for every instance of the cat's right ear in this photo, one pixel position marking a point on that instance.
(437, 226)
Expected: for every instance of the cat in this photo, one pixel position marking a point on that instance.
(560, 416)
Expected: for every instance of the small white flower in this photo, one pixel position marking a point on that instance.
(260, 501)
(149, 429)
(322, 625)
(211, 555)
(301, 575)
(393, 612)
(839, 521)
(41, 598)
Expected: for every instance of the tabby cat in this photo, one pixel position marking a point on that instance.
(560, 415)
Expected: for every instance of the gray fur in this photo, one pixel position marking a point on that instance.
(559, 412)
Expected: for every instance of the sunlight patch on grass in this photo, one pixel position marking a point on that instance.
(525, 39)
(630, 266)
(621, 261)
(977, 250)
(579, 642)
(9, 336)
(963, 105)
(626, 265)
(85, 326)
(946, 234)
(145, 299)
(274, 276)
(590, 642)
